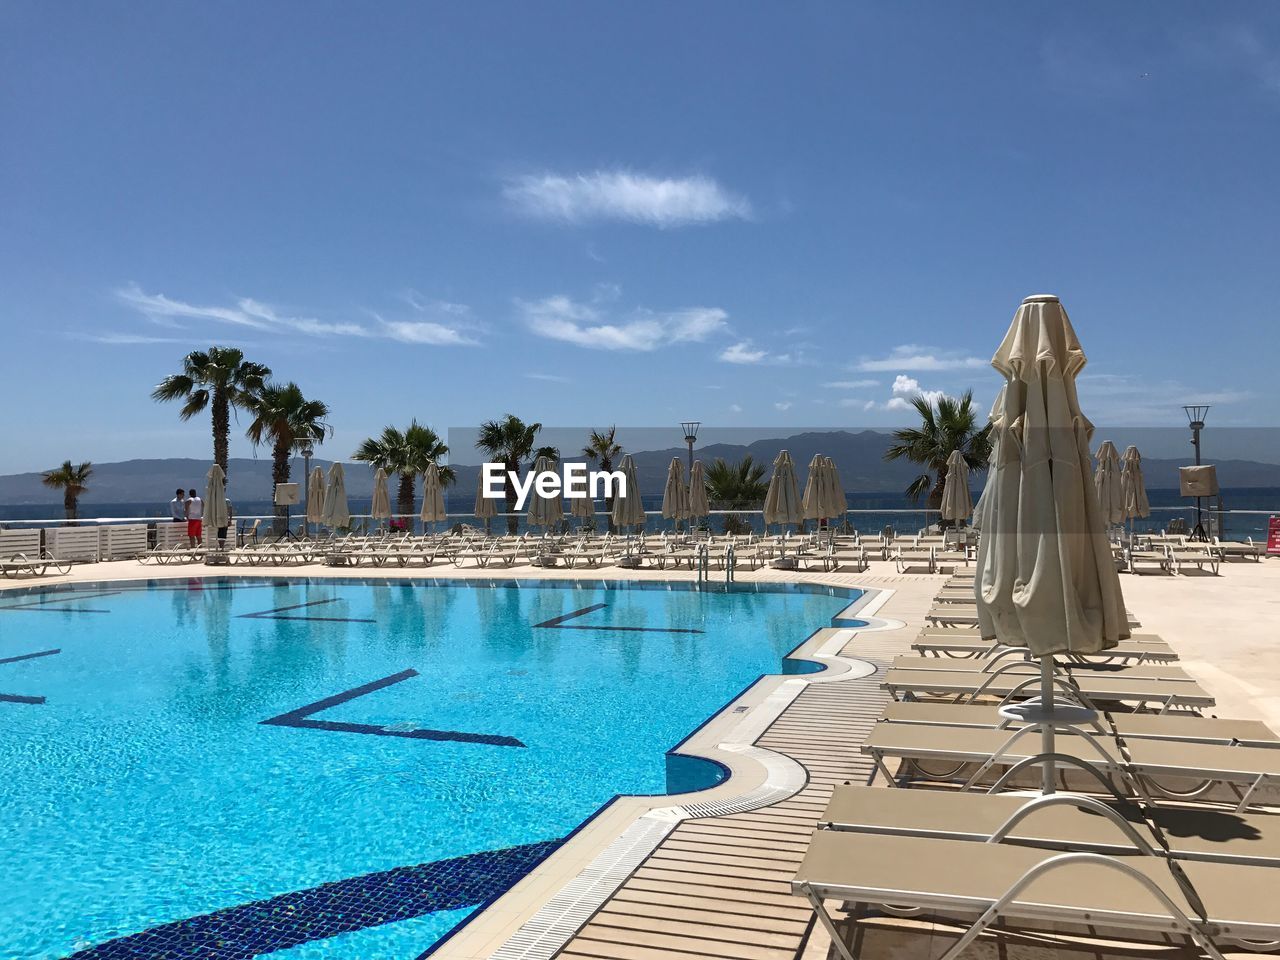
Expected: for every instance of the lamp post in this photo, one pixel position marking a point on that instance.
(308, 448)
(1195, 417)
(690, 435)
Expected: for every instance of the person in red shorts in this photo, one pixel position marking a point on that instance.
(195, 519)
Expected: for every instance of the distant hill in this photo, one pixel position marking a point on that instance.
(137, 481)
(859, 455)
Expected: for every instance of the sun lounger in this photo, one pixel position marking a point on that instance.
(910, 684)
(35, 564)
(1247, 548)
(1187, 554)
(1067, 823)
(1140, 726)
(966, 614)
(1012, 883)
(1147, 760)
(1155, 556)
(1016, 664)
(939, 645)
(907, 555)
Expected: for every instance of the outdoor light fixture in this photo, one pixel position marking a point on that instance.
(690, 435)
(1195, 418)
(306, 447)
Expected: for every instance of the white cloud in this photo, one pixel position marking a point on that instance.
(621, 195)
(783, 405)
(910, 356)
(742, 352)
(903, 390)
(850, 384)
(588, 325)
(746, 352)
(548, 377)
(448, 325)
(425, 332)
(734, 408)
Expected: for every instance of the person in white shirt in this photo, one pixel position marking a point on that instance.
(195, 519)
(178, 507)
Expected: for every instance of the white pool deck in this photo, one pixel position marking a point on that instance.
(697, 877)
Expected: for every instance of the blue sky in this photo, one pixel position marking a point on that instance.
(747, 214)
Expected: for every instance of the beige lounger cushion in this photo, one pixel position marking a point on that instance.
(1145, 726)
(963, 876)
(1152, 757)
(1032, 668)
(1192, 834)
(1176, 691)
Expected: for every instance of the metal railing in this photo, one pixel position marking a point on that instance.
(1227, 524)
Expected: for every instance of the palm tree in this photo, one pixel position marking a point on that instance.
(407, 453)
(220, 378)
(283, 417)
(949, 425)
(736, 486)
(511, 441)
(72, 480)
(603, 446)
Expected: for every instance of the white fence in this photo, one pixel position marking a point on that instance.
(123, 542)
(19, 541)
(72, 543)
(170, 534)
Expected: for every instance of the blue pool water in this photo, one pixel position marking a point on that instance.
(338, 769)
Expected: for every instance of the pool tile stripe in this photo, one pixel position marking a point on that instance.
(301, 718)
(30, 656)
(343, 906)
(556, 621)
(562, 623)
(281, 613)
(18, 698)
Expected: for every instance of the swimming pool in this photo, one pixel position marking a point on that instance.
(328, 768)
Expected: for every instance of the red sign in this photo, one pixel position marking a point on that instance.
(1273, 535)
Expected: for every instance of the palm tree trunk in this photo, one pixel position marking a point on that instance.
(513, 522)
(935, 497)
(404, 496)
(221, 427)
(279, 475)
(69, 504)
(607, 466)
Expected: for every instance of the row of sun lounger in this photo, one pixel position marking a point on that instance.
(1164, 831)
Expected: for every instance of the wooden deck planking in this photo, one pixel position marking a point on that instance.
(718, 888)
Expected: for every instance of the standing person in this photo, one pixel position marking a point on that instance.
(178, 507)
(195, 518)
(231, 522)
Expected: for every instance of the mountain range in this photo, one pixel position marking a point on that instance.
(859, 456)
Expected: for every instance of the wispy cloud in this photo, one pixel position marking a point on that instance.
(850, 384)
(127, 339)
(913, 357)
(1136, 400)
(622, 195)
(592, 326)
(1236, 47)
(434, 323)
(783, 405)
(745, 352)
(548, 377)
